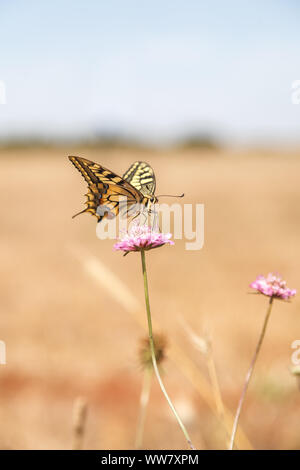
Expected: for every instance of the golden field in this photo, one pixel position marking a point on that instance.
(72, 309)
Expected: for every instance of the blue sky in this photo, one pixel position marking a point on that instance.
(156, 69)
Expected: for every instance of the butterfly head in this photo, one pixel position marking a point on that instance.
(153, 199)
(149, 200)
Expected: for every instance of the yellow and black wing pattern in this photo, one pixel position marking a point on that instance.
(141, 176)
(105, 189)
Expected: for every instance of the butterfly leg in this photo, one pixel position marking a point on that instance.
(153, 218)
(137, 215)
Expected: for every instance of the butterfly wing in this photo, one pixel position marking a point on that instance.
(105, 189)
(142, 177)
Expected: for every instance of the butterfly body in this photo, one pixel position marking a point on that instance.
(109, 194)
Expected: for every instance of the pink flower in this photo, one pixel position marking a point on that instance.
(142, 237)
(273, 286)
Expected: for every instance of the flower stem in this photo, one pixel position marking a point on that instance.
(249, 374)
(152, 347)
(144, 400)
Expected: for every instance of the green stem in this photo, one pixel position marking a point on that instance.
(249, 375)
(152, 347)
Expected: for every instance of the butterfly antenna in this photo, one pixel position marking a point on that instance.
(170, 195)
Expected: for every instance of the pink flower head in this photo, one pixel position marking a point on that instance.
(142, 237)
(273, 286)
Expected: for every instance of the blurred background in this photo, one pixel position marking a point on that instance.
(203, 92)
